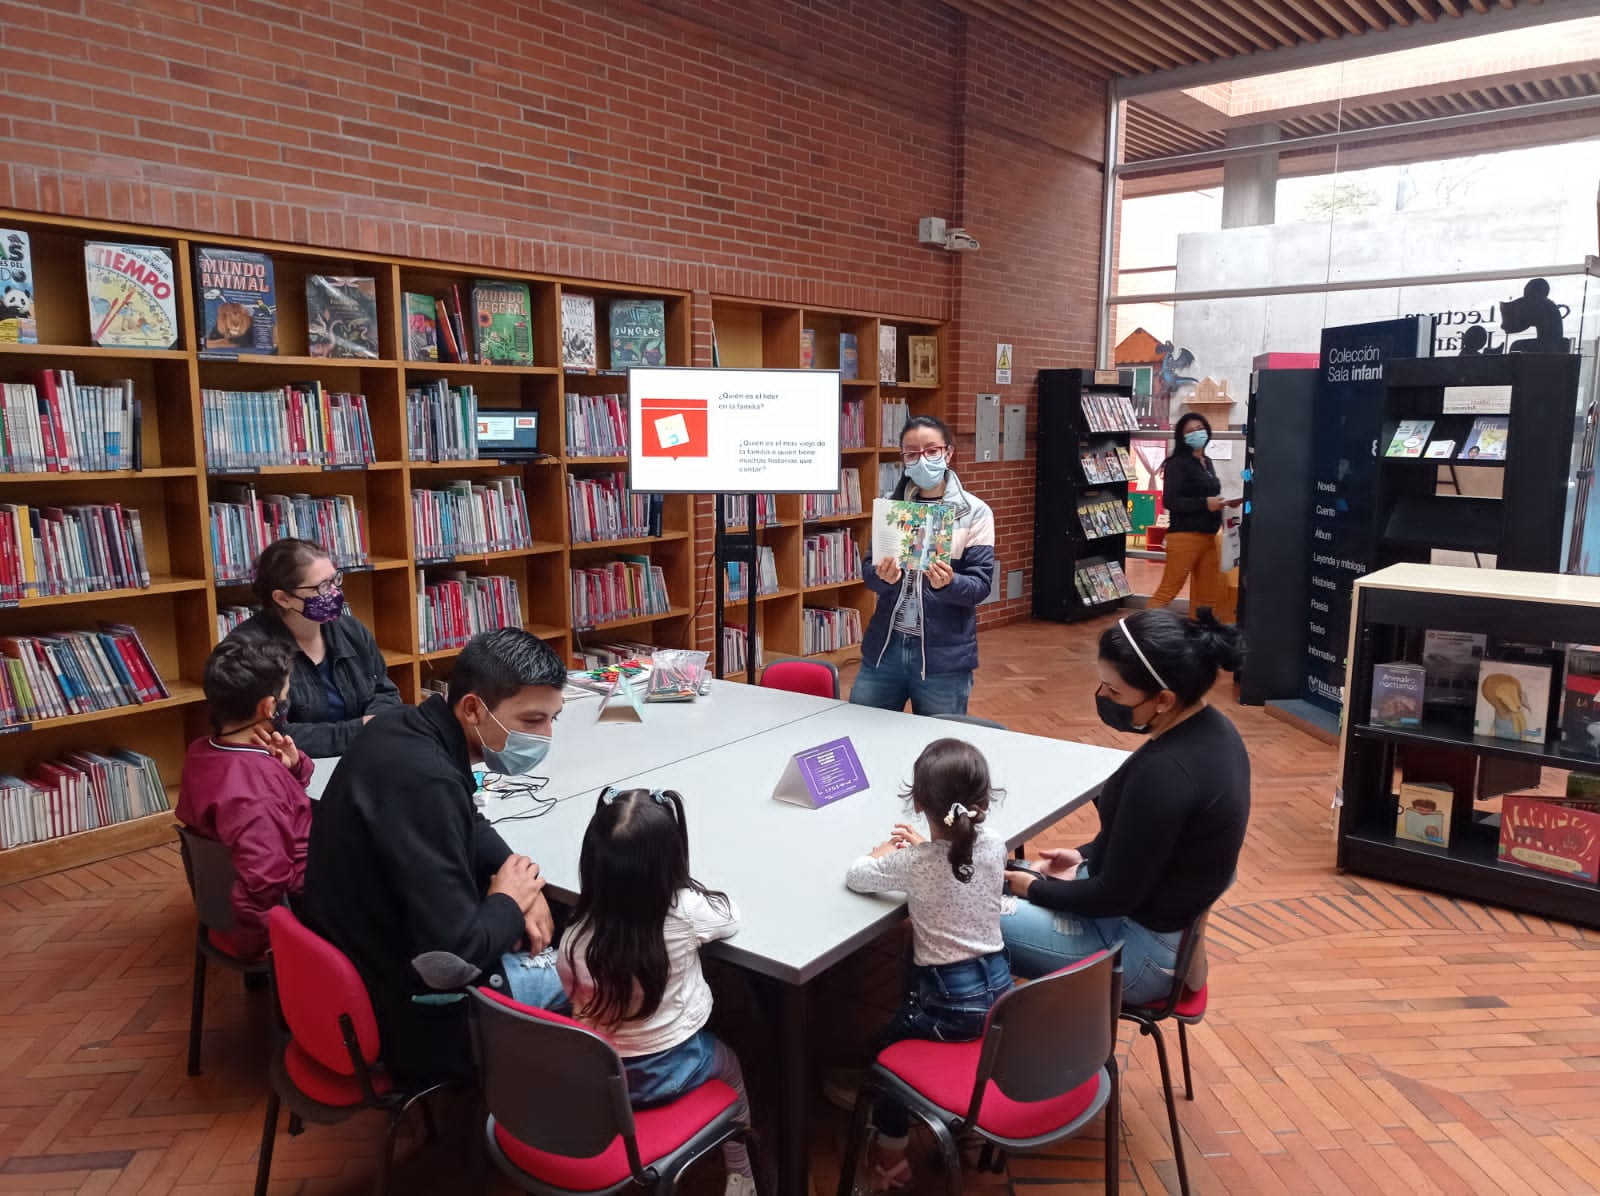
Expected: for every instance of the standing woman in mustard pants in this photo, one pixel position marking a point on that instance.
(1192, 495)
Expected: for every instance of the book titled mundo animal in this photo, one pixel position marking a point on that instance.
(238, 306)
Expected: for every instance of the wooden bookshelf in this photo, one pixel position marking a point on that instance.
(177, 615)
(752, 335)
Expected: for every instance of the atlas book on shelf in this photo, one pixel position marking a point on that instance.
(238, 306)
(341, 316)
(422, 328)
(579, 349)
(17, 323)
(132, 296)
(502, 314)
(1487, 440)
(915, 534)
(638, 333)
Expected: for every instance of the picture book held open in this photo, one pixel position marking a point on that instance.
(916, 534)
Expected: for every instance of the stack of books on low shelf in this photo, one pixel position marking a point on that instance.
(441, 422)
(1101, 517)
(1100, 582)
(734, 509)
(737, 576)
(629, 587)
(299, 424)
(601, 507)
(56, 425)
(829, 628)
(453, 609)
(64, 673)
(734, 642)
(844, 501)
(1103, 463)
(229, 617)
(470, 518)
(832, 557)
(49, 551)
(79, 791)
(1106, 411)
(597, 425)
(614, 653)
(243, 523)
(893, 422)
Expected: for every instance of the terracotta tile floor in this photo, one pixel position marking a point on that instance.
(1362, 1038)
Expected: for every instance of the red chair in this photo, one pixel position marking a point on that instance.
(1043, 1070)
(1186, 1005)
(559, 1119)
(816, 677)
(327, 1066)
(208, 866)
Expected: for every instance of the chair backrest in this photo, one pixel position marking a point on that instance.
(1052, 1035)
(208, 865)
(973, 720)
(320, 993)
(552, 1083)
(1190, 968)
(816, 677)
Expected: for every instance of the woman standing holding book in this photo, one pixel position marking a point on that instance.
(1192, 495)
(921, 643)
(339, 680)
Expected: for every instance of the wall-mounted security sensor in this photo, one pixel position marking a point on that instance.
(959, 240)
(931, 231)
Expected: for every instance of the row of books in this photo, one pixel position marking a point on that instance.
(638, 329)
(829, 628)
(734, 510)
(849, 352)
(845, 501)
(298, 424)
(625, 588)
(1109, 412)
(853, 424)
(889, 475)
(47, 551)
(229, 617)
(75, 672)
(736, 579)
(832, 557)
(1101, 581)
(80, 791)
(609, 653)
(597, 425)
(54, 425)
(1106, 517)
(923, 351)
(735, 642)
(468, 518)
(441, 422)
(1106, 463)
(244, 522)
(601, 507)
(892, 421)
(453, 610)
(1486, 441)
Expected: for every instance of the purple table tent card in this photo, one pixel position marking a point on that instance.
(822, 775)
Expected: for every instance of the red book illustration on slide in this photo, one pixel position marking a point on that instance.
(674, 427)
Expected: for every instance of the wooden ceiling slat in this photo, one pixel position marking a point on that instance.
(1452, 8)
(1368, 12)
(1178, 23)
(1423, 10)
(1276, 21)
(1337, 12)
(1252, 34)
(1002, 13)
(1396, 11)
(1126, 38)
(1313, 13)
(1480, 5)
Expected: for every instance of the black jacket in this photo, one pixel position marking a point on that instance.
(1189, 482)
(358, 674)
(398, 864)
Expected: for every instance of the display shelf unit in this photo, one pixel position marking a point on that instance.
(752, 335)
(1061, 545)
(1392, 608)
(177, 614)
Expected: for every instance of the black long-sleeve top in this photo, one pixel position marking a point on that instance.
(1172, 821)
(1190, 480)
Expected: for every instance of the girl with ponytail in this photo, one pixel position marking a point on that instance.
(953, 882)
(1172, 818)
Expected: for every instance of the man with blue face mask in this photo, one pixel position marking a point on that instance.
(402, 864)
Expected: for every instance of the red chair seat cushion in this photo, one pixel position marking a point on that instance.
(944, 1072)
(659, 1132)
(325, 1086)
(1191, 1005)
(238, 946)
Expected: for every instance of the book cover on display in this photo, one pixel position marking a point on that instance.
(887, 352)
(1410, 438)
(1397, 691)
(1551, 834)
(422, 330)
(808, 348)
(1440, 449)
(132, 299)
(1424, 815)
(638, 333)
(924, 353)
(849, 357)
(916, 534)
(1580, 701)
(579, 349)
(1450, 660)
(1487, 440)
(1513, 701)
(238, 305)
(18, 326)
(341, 316)
(502, 315)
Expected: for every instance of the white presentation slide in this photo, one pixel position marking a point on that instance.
(694, 431)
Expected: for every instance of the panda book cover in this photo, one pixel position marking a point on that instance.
(132, 295)
(17, 323)
(238, 306)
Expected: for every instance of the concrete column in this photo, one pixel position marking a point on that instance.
(1250, 182)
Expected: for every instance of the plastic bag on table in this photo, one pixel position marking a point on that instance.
(676, 675)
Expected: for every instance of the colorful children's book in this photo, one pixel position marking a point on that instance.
(341, 316)
(916, 534)
(1487, 440)
(849, 357)
(924, 351)
(638, 333)
(238, 306)
(1513, 700)
(579, 349)
(808, 348)
(1410, 438)
(1424, 815)
(1397, 692)
(888, 353)
(502, 316)
(17, 323)
(422, 331)
(132, 296)
(1580, 703)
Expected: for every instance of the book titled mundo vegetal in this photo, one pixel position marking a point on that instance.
(502, 312)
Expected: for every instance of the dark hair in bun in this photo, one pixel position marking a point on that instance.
(1185, 653)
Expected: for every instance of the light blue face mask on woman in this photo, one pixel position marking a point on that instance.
(1196, 439)
(927, 474)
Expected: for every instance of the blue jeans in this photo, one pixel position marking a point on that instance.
(533, 980)
(666, 1075)
(944, 1003)
(887, 685)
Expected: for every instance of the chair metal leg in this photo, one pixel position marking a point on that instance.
(1114, 1130)
(380, 1185)
(429, 1126)
(752, 1146)
(850, 1163)
(197, 1010)
(950, 1153)
(296, 1125)
(1183, 1050)
(1154, 1031)
(269, 1132)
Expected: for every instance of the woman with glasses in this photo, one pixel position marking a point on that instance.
(922, 641)
(339, 680)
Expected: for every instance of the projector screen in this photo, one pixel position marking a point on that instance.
(714, 431)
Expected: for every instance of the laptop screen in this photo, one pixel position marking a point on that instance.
(507, 433)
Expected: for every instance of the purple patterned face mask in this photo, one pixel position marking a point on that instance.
(324, 608)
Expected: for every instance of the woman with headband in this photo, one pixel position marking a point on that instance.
(1172, 818)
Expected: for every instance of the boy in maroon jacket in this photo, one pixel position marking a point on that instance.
(246, 784)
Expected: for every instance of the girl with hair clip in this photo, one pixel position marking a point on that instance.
(630, 961)
(953, 882)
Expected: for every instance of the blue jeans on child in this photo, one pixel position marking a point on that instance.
(533, 980)
(944, 1003)
(666, 1075)
(889, 682)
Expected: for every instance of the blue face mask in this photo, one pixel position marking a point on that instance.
(1196, 439)
(523, 752)
(927, 474)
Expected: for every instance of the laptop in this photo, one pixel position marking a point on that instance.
(508, 434)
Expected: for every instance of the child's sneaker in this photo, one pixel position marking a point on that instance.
(740, 1185)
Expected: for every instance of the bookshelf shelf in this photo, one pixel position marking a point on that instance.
(852, 517)
(468, 367)
(159, 584)
(677, 612)
(597, 460)
(93, 352)
(537, 548)
(666, 537)
(909, 385)
(286, 361)
(85, 847)
(824, 586)
(392, 658)
(179, 693)
(123, 475)
(289, 471)
(492, 463)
